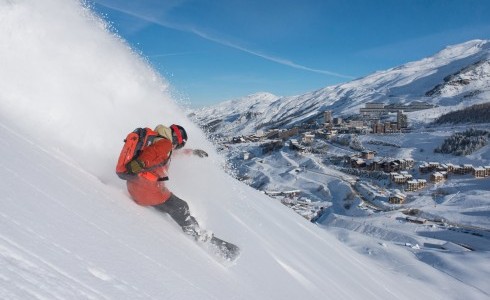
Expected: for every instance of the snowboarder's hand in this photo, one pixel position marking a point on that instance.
(135, 166)
(200, 153)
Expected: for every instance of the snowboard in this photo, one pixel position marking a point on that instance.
(224, 251)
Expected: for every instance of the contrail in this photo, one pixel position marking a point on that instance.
(206, 36)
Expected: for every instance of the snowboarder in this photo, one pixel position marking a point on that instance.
(149, 173)
(144, 162)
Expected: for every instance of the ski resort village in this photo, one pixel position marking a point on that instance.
(381, 178)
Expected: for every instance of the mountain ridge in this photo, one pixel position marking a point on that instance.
(455, 74)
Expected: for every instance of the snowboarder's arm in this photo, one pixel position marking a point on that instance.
(196, 152)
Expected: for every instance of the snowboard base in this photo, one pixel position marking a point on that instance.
(224, 251)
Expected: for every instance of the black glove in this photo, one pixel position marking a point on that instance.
(135, 166)
(200, 153)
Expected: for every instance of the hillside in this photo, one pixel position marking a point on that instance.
(69, 92)
(454, 78)
(478, 113)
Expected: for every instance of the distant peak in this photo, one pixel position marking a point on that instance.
(466, 48)
(262, 95)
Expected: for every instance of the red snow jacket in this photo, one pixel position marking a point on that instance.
(147, 187)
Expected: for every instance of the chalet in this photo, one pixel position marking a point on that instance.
(337, 121)
(409, 163)
(331, 133)
(356, 124)
(392, 175)
(424, 168)
(358, 163)
(400, 179)
(308, 138)
(479, 172)
(415, 184)
(487, 170)
(467, 168)
(392, 166)
(397, 198)
(442, 168)
(458, 170)
(436, 177)
(450, 167)
(412, 185)
(433, 165)
(368, 154)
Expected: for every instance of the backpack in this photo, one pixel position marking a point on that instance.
(134, 143)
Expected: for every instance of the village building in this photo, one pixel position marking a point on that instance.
(412, 185)
(487, 170)
(358, 163)
(392, 166)
(286, 134)
(458, 170)
(409, 163)
(442, 168)
(338, 121)
(356, 124)
(467, 168)
(450, 167)
(331, 133)
(436, 177)
(399, 179)
(397, 198)
(479, 172)
(424, 168)
(433, 165)
(327, 116)
(401, 120)
(367, 154)
(308, 138)
(416, 184)
(377, 127)
(422, 183)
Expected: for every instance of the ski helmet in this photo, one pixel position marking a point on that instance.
(179, 136)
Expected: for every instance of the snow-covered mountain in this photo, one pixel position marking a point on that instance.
(456, 77)
(69, 92)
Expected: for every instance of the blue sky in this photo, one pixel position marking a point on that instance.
(216, 50)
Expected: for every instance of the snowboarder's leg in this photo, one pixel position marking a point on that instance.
(179, 211)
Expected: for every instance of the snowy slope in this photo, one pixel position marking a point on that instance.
(69, 92)
(454, 78)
